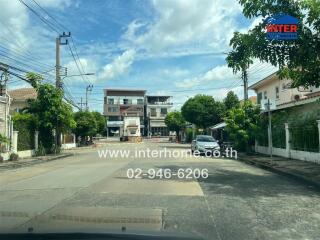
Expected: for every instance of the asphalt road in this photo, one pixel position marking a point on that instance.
(88, 193)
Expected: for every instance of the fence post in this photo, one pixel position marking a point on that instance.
(15, 141)
(36, 140)
(318, 121)
(286, 126)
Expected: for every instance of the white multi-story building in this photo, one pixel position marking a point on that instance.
(157, 108)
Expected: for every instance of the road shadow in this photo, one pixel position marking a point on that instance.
(250, 185)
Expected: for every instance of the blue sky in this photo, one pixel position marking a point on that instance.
(172, 47)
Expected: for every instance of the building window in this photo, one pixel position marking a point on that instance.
(140, 101)
(163, 111)
(105, 100)
(265, 95)
(127, 101)
(277, 92)
(111, 101)
(113, 118)
(259, 97)
(153, 112)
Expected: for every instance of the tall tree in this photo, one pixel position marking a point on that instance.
(100, 122)
(203, 111)
(297, 59)
(86, 124)
(231, 101)
(175, 121)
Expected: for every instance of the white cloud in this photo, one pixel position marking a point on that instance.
(13, 19)
(198, 24)
(216, 74)
(17, 33)
(60, 4)
(118, 66)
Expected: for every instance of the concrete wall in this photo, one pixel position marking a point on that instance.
(275, 151)
(305, 156)
(26, 153)
(68, 145)
(290, 153)
(293, 154)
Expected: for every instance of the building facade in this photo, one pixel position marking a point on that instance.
(279, 91)
(20, 98)
(157, 108)
(119, 103)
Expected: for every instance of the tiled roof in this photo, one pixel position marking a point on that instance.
(23, 93)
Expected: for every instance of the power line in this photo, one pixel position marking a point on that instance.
(27, 52)
(77, 65)
(18, 55)
(75, 54)
(49, 15)
(50, 25)
(76, 51)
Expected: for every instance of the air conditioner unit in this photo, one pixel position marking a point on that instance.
(296, 97)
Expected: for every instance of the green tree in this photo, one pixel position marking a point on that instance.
(100, 121)
(231, 101)
(86, 124)
(50, 112)
(203, 111)
(175, 121)
(34, 79)
(242, 125)
(297, 59)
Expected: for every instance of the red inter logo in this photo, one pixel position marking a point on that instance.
(282, 27)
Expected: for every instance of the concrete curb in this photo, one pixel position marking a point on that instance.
(36, 160)
(279, 171)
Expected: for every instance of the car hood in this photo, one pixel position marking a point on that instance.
(121, 222)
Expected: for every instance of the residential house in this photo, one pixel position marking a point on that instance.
(157, 108)
(20, 98)
(290, 140)
(279, 91)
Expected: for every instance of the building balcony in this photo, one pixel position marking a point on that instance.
(114, 123)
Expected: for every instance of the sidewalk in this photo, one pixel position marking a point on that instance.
(304, 171)
(24, 162)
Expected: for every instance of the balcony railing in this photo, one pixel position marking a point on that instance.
(160, 103)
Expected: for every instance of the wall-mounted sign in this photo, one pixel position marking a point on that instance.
(282, 27)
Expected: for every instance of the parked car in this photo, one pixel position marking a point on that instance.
(204, 143)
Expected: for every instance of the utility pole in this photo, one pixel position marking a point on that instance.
(3, 88)
(4, 80)
(269, 129)
(81, 103)
(58, 80)
(245, 83)
(88, 89)
(58, 67)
